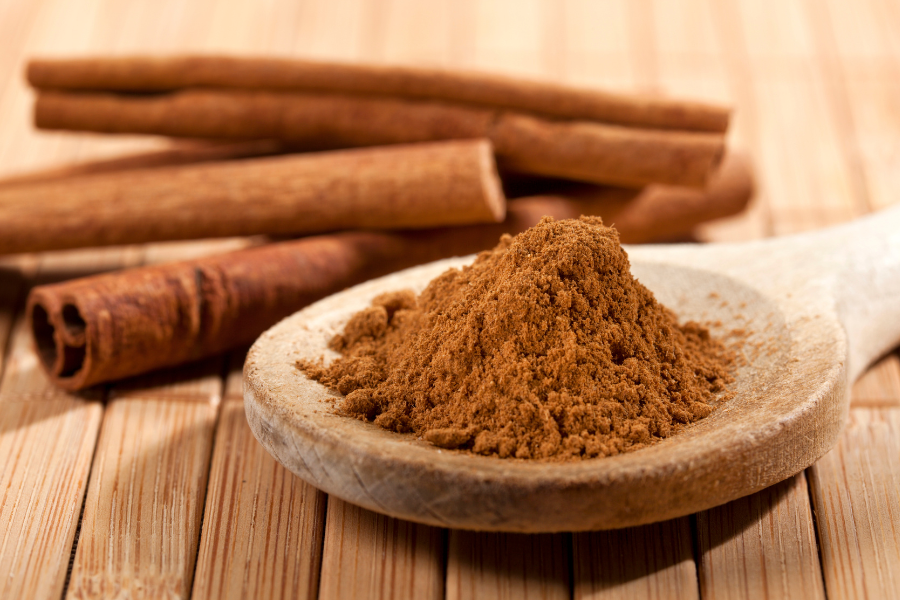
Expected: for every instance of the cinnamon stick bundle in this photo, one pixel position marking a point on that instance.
(582, 150)
(114, 325)
(156, 74)
(396, 187)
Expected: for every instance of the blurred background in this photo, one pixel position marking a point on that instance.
(815, 85)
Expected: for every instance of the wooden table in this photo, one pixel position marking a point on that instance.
(156, 488)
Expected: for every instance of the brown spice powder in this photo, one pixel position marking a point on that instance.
(545, 347)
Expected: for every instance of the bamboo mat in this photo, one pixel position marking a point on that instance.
(156, 488)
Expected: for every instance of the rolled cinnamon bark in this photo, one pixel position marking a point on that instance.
(656, 212)
(144, 74)
(181, 152)
(659, 213)
(582, 150)
(110, 326)
(596, 153)
(413, 186)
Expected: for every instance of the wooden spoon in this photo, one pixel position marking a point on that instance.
(818, 308)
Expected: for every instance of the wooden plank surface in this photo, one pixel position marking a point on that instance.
(47, 440)
(141, 525)
(815, 86)
(761, 546)
(47, 448)
(856, 495)
(263, 527)
(653, 561)
(508, 566)
(371, 556)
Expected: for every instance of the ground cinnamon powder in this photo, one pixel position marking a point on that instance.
(545, 347)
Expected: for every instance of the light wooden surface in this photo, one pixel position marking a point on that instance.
(141, 522)
(368, 555)
(761, 546)
(651, 561)
(509, 566)
(816, 86)
(263, 527)
(856, 495)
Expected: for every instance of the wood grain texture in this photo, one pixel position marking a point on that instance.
(46, 448)
(47, 439)
(369, 556)
(761, 546)
(879, 387)
(262, 527)
(856, 495)
(698, 52)
(145, 500)
(507, 566)
(652, 561)
(199, 381)
(826, 62)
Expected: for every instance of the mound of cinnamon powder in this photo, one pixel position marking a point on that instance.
(545, 347)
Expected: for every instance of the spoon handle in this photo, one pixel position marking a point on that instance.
(864, 256)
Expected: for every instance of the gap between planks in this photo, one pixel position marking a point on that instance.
(141, 523)
(51, 436)
(855, 490)
(263, 527)
(140, 529)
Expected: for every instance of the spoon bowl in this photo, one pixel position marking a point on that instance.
(790, 302)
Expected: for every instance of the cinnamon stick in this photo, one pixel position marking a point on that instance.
(582, 150)
(147, 74)
(180, 152)
(656, 212)
(110, 326)
(398, 187)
